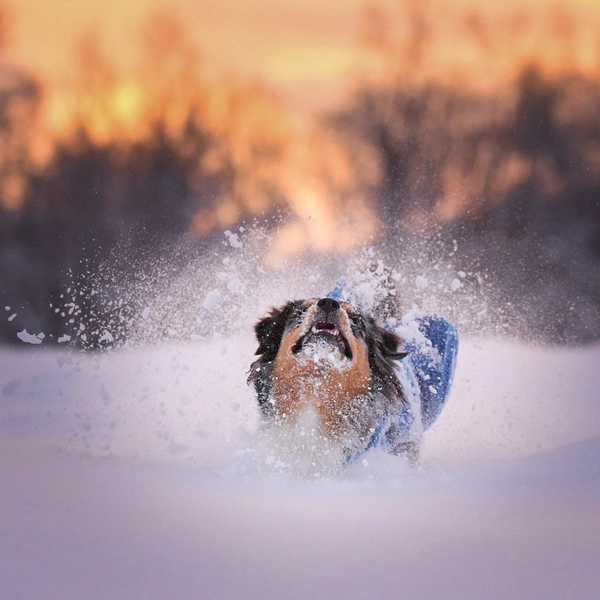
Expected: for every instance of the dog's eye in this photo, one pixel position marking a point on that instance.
(357, 323)
(296, 317)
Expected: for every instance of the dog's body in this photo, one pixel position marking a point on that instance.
(326, 356)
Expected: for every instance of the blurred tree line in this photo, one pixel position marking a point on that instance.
(514, 179)
(510, 178)
(104, 206)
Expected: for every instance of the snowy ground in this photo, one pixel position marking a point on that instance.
(139, 474)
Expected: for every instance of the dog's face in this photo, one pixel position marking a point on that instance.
(323, 334)
(325, 355)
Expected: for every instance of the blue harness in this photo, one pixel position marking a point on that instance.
(426, 375)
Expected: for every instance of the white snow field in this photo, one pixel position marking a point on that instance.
(140, 474)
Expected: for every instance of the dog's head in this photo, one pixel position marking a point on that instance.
(327, 355)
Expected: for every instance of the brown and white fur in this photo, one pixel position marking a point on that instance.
(328, 357)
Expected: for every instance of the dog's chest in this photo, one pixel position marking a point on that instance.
(335, 394)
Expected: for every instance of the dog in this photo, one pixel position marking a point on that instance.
(326, 356)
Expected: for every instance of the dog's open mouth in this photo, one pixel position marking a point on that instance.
(326, 333)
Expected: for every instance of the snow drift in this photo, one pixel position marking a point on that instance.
(140, 474)
(143, 473)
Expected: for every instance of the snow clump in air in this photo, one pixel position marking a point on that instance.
(30, 338)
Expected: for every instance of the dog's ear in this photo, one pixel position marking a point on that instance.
(383, 352)
(390, 343)
(269, 330)
(265, 331)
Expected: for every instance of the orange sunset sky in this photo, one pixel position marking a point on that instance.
(308, 52)
(306, 49)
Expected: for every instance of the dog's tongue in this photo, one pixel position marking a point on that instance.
(328, 334)
(324, 326)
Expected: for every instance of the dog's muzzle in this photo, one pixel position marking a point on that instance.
(326, 329)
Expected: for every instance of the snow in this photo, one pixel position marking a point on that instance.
(234, 286)
(421, 282)
(212, 299)
(455, 284)
(321, 352)
(29, 338)
(107, 336)
(233, 239)
(141, 473)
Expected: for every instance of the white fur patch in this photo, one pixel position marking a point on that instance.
(320, 351)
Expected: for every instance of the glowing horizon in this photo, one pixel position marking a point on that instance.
(258, 70)
(309, 52)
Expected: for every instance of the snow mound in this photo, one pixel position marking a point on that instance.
(143, 472)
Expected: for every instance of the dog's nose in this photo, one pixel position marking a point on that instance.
(328, 305)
